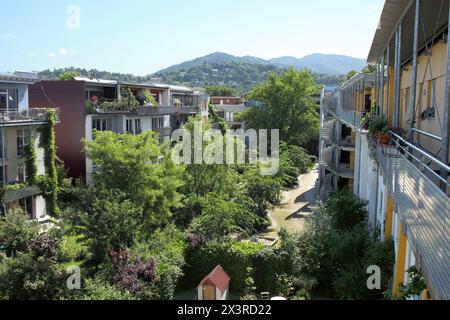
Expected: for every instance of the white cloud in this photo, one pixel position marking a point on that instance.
(61, 52)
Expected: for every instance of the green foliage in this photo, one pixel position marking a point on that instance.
(68, 75)
(30, 162)
(348, 76)
(216, 119)
(221, 91)
(370, 68)
(346, 210)
(336, 249)
(111, 221)
(16, 231)
(167, 247)
(98, 289)
(415, 286)
(149, 98)
(287, 106)
(234, 257)
(133, 165)
(49, 183)
(221, 217)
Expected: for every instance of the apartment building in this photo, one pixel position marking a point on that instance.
(19, 127)
(88, 104)
(228, 108)
(405, 179)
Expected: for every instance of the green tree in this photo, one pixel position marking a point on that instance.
(16, 231)
(110, 221)
(287, 106)
(68, 75)
(141, 168)
(221, 91)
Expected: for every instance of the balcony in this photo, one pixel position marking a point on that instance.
(12, 195)
(165, 110)
(31, 116)
(416, 180)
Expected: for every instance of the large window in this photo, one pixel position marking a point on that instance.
(21, 172)
(157, 123)
(27, 205)
(133, 126)
(103, 124)
(23, 139)
(8, 99)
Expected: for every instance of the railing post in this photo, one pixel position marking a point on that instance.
(397, 75)
(446, 124)
(414, 68)
(388, 78)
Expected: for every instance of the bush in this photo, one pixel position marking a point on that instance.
(16, 231)
(234, 257)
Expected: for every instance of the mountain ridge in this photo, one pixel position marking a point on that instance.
(332, 64)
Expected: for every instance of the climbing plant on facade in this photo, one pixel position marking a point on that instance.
(49, 182)
(30, 162)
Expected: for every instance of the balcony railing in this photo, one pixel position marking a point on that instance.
(26, 116)
(165, 110)
(415, 179)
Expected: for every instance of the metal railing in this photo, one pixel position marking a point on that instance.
(28, 115)
(164, 110)
(424, 209)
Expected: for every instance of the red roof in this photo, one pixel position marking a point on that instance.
(218, 277)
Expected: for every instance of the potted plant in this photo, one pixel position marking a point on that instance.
(379, 129)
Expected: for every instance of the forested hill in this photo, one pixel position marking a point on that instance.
(241, 73)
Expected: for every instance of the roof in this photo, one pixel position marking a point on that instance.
(218, 277)
(19, 77)
(96, 81)
(396, 11)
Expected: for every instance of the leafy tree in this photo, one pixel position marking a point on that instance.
(221, 217)
(221, 91)
(287, 106)
(98, 289)
(33, 274)
(16, 231)
(346, 210)
(110, 221)
(140, 168)
(68, 75)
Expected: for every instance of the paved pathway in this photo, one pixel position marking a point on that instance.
(296, 205)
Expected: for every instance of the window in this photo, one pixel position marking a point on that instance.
(137, 126)
(23, 139)
(21, 172)
(27, 205)
(157, 123)
(3, 99)
(104, 124)
(2, 176)
(9, 99)
(129, 125)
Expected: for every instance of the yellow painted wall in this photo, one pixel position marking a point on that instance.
(438, 62)
(399, 273)
(389, 218)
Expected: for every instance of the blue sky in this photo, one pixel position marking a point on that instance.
(143, 36)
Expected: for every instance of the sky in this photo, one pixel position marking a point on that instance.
(144, 36)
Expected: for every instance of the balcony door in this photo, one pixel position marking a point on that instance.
(8, 99)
